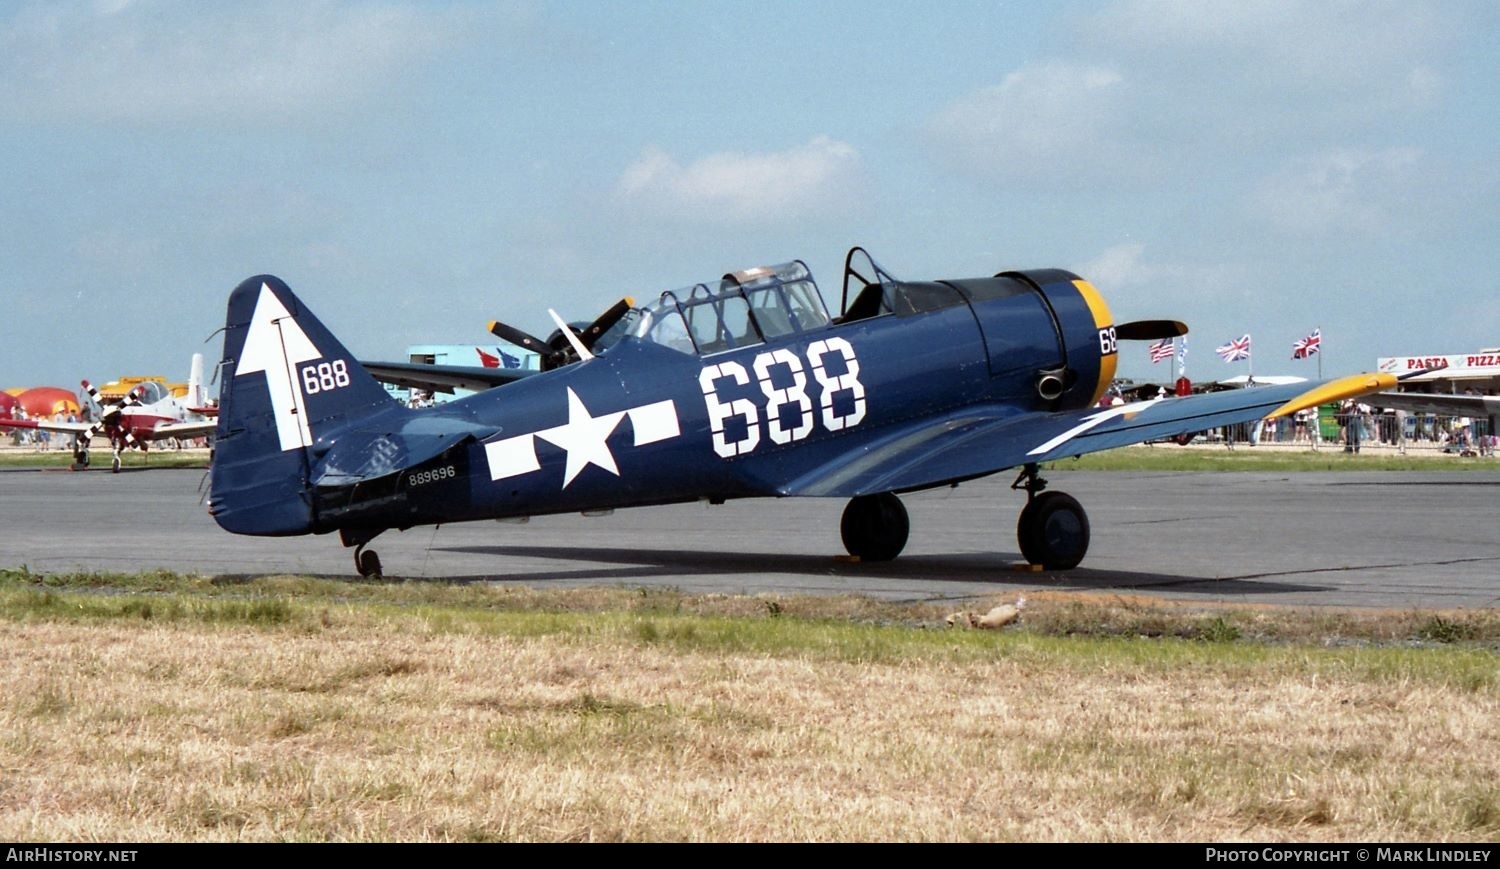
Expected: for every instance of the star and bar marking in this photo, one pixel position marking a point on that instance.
(584, 437)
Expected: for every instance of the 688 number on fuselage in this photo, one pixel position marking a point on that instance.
(780, 426)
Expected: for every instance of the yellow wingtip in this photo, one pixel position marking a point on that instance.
(1337, 390)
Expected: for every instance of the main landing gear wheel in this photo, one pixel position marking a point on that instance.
(367, 563)
(875, 527)
(1053, 531)
(80, 459)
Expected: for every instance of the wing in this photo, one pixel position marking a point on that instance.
(976, 441)
(194, 429)
(1446, 405)
(46, 425)
(443, 378)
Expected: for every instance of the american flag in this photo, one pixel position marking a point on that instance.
(1307, 346)
(1235, 350)
(1161, 350)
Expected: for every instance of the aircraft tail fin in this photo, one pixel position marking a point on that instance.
(287, 386)
(195, 382)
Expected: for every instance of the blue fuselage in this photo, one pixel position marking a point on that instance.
(647, 424)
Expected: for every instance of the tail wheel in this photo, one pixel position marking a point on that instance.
(875, 527)
(367, 562)
(1053, 531)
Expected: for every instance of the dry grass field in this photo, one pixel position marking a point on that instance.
(166, 708)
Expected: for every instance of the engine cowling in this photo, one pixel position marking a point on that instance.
(1086, 331)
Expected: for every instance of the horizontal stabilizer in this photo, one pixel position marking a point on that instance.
(366, 455)
(443, 378)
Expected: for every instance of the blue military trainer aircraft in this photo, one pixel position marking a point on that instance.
(742, 387)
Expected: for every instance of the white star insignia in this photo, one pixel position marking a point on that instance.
(584, 437)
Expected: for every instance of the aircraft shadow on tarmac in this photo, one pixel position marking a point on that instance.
(992, 568)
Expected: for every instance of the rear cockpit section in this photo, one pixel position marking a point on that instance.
(870, 291)
(742, 309)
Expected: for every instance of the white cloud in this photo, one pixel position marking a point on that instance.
(1119, 266)
(1056, 124)
(1333, 41)
(814, 178)
(1361, 58)
(119, 61)
(1126, 275)
(1187, 95)
(1342, 191)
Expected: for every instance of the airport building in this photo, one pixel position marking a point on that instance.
(1447, 375)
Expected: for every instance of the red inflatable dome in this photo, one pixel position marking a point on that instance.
(48, 401)
(7, 405)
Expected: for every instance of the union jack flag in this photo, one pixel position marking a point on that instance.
(1161, 350)
(1235, 350)
(1307, 346)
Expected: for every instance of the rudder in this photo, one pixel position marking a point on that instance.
(288, 386)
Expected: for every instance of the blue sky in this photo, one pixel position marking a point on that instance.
(415, 169)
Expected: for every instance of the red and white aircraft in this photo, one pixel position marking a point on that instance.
(148, 413)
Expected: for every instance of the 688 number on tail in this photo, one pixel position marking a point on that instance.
(325, 377)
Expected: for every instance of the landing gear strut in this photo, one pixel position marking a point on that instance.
(1053, 530)
(875, 527)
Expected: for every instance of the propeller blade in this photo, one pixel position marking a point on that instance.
(605, 321)
(549, 355)
(1150, 330)
(568, 333)
(108, 415)
(506, 332)
(99, 405)
(567, 343)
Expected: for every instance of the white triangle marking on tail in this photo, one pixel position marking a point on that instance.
(275, 344)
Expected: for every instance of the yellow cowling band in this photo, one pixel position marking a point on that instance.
(1103, 319)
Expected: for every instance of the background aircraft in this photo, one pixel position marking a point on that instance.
(148, 413)
(741, 387)
(552, 353)
(1438, 403)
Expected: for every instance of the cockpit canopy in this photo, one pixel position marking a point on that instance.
(744, 308)
(151, 392)
(749, 307)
